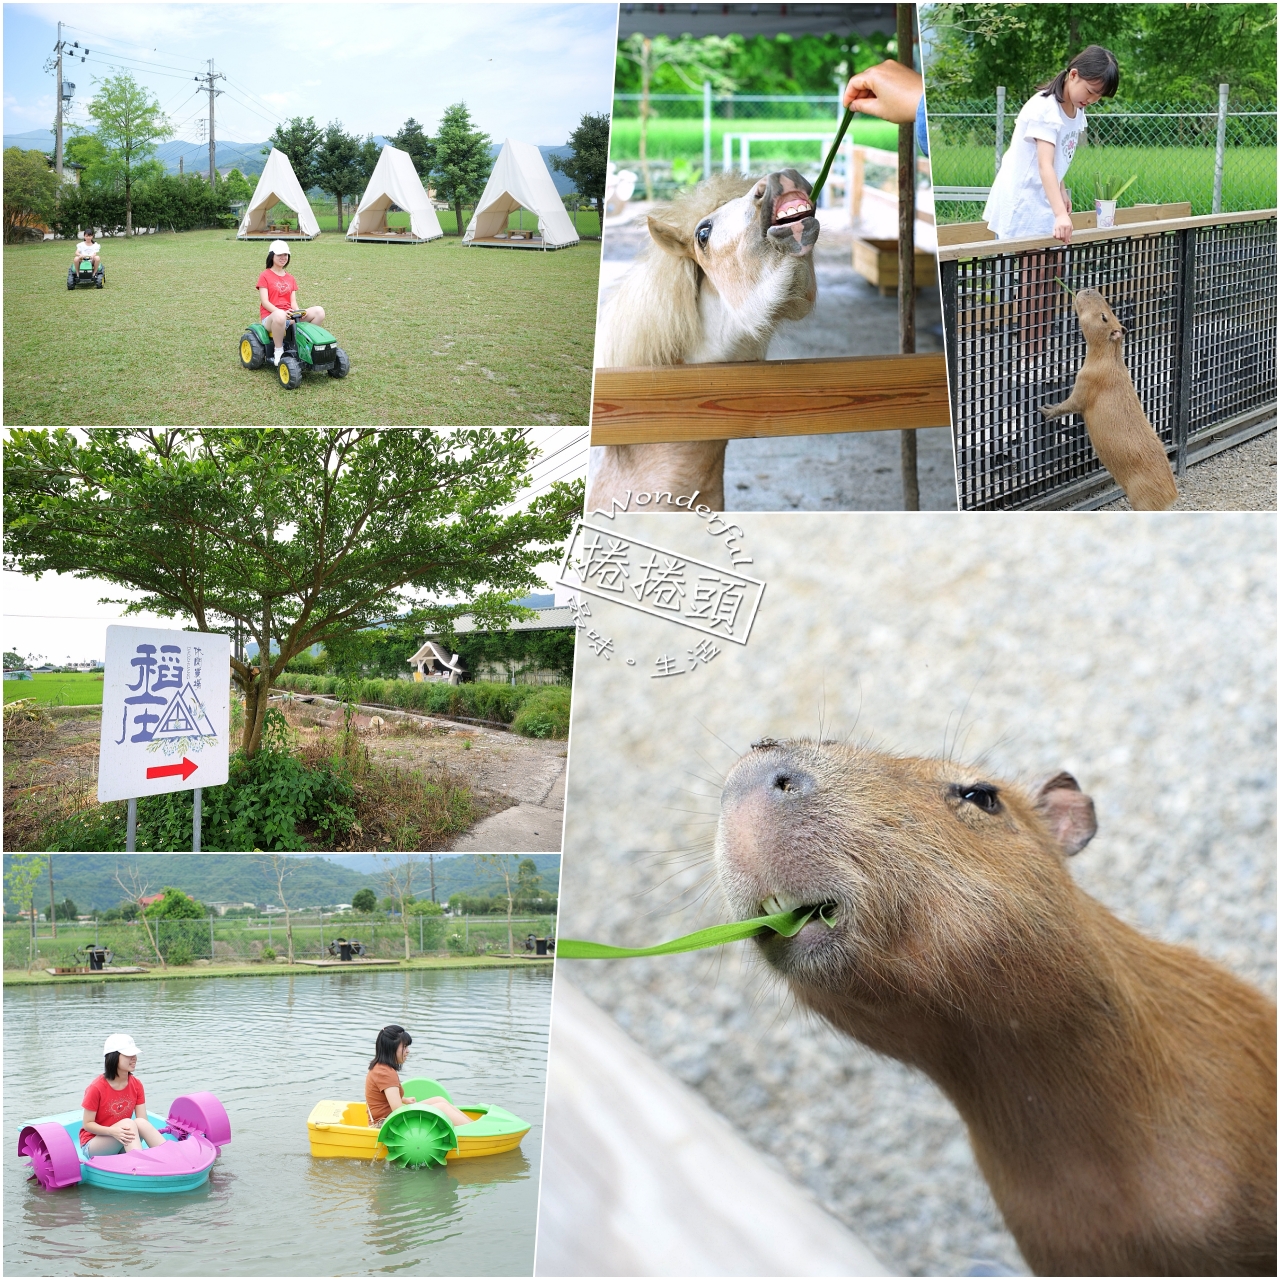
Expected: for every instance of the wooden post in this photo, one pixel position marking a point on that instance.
(907, 253)
(53, 908)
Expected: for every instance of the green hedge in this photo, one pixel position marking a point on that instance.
(480, 699)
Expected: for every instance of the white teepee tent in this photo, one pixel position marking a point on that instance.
(278, 185)
(395, 181)
(520, 180)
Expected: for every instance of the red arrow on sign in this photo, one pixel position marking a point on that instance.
(186, 769)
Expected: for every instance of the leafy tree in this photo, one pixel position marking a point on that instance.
(463, 163)
(64, 910)
(364, 901)
(339, 165)
(30, 192)
(528, 881)
(297, 536)
(236, 186)
(412, 138)
(21, 882)
(588, 165)
(425, 907)
(299, 139)
(505, 865)
(130, 124)
(176, 905)
(13, 661)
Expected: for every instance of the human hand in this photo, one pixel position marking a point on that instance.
(890, 91)
(124, 1132)
(1062, 228)
(409, 1099)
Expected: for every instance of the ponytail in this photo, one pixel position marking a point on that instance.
(1094, 64)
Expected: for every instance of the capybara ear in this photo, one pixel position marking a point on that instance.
(1067, 812)
(669, 239)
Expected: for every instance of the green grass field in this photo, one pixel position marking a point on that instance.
(437, 334)
(668, 139)
(1165, 175)
(80, 689)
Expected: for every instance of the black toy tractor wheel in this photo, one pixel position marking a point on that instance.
(102, 277)
(341, 365)
(289, 372)
(71, 278)
(252, 352)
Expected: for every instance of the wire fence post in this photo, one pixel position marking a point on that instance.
(706, 128)
(1220, 151)
(999, 125)
(210, 935)
(131, 829)
(420, 948)
(1186, 350)
(466, 931)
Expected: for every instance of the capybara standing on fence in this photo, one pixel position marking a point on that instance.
(1120, 1093)
(1118, 427)
(726, 264)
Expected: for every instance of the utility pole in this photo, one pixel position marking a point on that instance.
(213, 92)
(54, 64)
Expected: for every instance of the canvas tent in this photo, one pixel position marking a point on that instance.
(520, 181)
(395, 182)
(278, 185)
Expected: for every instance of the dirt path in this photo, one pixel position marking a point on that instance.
(520, 780)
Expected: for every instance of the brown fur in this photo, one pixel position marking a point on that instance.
(1117, 424)
(1120, 1093)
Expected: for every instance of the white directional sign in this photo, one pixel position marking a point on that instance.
(165, 711)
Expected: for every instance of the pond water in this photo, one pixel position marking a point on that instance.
(270, 1048)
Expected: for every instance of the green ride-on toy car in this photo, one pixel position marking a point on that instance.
(307, 349)
(82, 272)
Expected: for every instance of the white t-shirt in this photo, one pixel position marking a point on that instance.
(1017, 205)
(86, 250)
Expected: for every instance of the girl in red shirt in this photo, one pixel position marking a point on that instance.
(278, 296)
(115, 1112)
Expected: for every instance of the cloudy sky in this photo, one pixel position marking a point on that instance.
(59, 619)
(527, 71)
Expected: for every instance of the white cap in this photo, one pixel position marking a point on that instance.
(122, 1044)
(279, 246)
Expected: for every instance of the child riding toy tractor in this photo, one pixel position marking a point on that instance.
(81, 272)
(307, 349)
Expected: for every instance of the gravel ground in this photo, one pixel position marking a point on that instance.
(1239, 479)
(1146, 667)
(853, 471)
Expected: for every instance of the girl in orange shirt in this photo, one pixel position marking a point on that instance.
(382, 1093)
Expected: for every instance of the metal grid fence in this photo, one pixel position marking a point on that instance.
(1199, 305)
(1171, 148)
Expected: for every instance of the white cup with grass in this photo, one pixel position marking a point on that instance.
(1107, 192)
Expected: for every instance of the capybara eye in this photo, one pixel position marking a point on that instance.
(983, 794)
(703, 233)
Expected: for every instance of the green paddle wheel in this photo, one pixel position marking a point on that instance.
(417, 1136)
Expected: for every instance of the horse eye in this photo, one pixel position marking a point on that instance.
(983, 794)
(703, 233)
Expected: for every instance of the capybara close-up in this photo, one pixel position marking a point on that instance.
(1119, 1092)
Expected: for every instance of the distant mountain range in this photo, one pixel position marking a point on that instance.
(248, 157)
(315, 881)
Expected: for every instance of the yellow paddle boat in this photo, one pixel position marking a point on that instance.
(415, 1134)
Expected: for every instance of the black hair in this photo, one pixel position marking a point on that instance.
(389, 1040)
(111, 1065)
(271, 257)
(1092, 64)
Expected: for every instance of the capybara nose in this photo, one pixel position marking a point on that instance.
(772, 779)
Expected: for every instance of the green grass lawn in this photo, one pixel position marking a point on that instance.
(437, 334)
(1165, 175)
(80, 689)
(668, 139)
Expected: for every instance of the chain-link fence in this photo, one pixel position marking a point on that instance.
(1199, 308)
(1185, 151)
(182, 942)
(688, 136)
